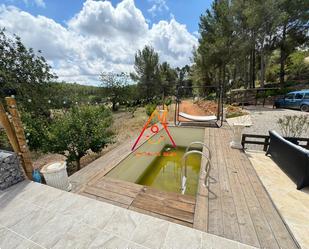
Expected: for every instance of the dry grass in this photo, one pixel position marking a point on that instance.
(234, 111)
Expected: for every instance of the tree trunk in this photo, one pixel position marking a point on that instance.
(249, 73)
(114, 106)
(282, 57)
(235, 73)
(262, 68)
(223, 78)
(78, 164)
(253, 68)
(248, 68)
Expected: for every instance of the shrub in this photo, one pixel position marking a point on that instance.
(149, 108)
(293, 125)
(35, 130)
(168, 102)
(4, 141)
(81, 129)
(211, 96)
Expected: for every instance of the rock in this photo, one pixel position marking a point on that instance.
(10, 169)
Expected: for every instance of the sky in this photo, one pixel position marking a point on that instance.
(81, 39)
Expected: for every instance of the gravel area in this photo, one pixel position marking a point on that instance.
(266, 118)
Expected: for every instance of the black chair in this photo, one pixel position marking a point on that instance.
(292, 159)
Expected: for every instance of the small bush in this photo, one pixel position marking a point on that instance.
(211, 96)
(168, 102)
(293, 125)
(149, 108)
(35, 130)
(81, 129)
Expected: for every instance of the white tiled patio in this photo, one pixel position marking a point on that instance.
(37, 216)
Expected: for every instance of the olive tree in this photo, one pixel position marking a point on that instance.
(115, 87)
(81, 129)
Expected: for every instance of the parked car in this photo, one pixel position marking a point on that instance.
(294, 100)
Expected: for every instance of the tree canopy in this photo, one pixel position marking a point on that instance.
(238, 37)
(153, 78)
(22, 71)
(115, 87)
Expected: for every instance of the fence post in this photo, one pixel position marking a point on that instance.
(266, 144)
(20, 135)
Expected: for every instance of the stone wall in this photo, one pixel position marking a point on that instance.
(10, 169)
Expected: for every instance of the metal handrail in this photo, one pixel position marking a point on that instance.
(184, 169)
(201, 143)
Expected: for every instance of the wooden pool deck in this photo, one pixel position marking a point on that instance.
(239, 208)
(236, 207)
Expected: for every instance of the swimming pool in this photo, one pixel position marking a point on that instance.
(156, 163)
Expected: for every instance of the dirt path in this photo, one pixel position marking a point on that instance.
(189, 107)
(203, 108)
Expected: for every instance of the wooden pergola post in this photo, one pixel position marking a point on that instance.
(9, 130)
(20, 136)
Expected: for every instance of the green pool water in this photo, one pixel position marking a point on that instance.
(164, 172)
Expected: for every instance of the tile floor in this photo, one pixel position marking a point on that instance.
(37, 216)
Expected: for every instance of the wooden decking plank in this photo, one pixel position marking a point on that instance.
(164, 206)
(215, 219)
(230, 222)
(201, 214)
(148, 204)
(126, 200)
(246, 227)
(262, 228)
(129, 185)
(170, 199)
(170, 195)
(201, 206)
(118, 188)
(283, 236)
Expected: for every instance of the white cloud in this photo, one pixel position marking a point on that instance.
(158, 6)
(40, 3)
(99, 38)
(173, 42)
(102, 19)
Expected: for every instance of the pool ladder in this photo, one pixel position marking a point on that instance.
(184, 164)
